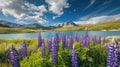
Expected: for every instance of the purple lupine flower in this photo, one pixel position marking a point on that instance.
(71, 43)
(14, 57)
(94, 40)
(49, 45)
(74, 58)
(39, 40)
(43, 48)
(86, 33)
(56, 40)
(99, 40)
(76, 38)
(63, 40)
(80, 39)
(112, 60)
(54, 54)
(24, 49)
(67, 41)
(86, 39)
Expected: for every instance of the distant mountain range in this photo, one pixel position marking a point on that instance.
(9, 24)
(65, 24)
(4, 23)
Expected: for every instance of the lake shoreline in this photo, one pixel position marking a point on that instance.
(53, 31)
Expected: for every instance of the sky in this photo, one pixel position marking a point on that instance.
(48, 12)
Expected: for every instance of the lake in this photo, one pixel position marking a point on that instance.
(51, 34)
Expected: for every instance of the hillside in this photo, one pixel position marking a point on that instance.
(1, 25)
(18, 30)
(4, 23)
(115, 25)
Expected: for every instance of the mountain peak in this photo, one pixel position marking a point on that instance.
(66, 24)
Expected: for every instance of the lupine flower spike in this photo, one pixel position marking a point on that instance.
(67, 41)
(39, 40)
(74, 57)
(54, 54)
(24, 49)
(76, 38)
(56, 40)
(71, 43)
(63, 40)
(86, 39)
(112, 60)
(14, 57)
(49, 44)
(43, 48)
(94, 40)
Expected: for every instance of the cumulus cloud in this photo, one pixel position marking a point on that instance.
(91, 3)
(57, 6)
(22, 10)
(99, 19)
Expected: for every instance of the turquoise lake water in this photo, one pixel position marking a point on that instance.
(51, 34)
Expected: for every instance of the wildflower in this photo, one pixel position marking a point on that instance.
(94, 40)
(71, 43)
(86, 39)
(56, 40)
(24, 49)
(112, 60)
(76, 38)
(14, 57)
(49, 45)
(39, 40)
(74, 58)
(63, 40)
(43, 48)
(54, 54)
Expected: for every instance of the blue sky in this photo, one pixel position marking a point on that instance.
(48, 12)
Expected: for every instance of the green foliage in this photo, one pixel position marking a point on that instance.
(36, 60)
(93, 56)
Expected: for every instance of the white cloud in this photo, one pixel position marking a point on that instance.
(57, 6)
(22, 10)
(96, 12)
(91, 3)
(99, 19)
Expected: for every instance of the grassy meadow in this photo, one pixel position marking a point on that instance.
(92, 56)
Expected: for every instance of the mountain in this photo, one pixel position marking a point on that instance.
(4, 23)
(66, 24)
(34, 25)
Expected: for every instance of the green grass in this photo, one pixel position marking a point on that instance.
(18, 30)
(115, 25)
(5, 45)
